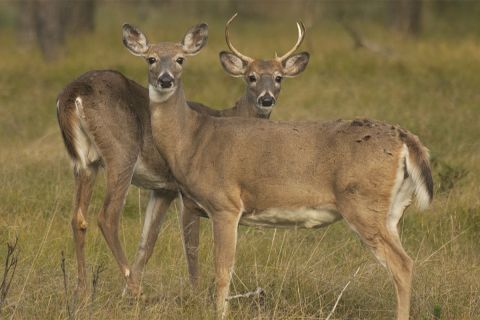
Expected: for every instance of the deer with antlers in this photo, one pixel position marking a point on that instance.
(285, 174)
(105, 122)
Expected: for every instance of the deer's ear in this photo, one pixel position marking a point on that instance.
(295, 64)
(134, 40)
(232, 64)
(195, 39)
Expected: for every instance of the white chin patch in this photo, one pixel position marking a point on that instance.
(264, 110)
(158, 94)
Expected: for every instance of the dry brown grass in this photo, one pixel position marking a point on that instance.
(431, 86)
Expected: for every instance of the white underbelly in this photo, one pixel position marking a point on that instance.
(300, 217)
(147, 178)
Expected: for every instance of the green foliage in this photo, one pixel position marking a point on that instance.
(437, 312)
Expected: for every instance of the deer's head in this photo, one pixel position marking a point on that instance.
(264, 77)
(165, 59)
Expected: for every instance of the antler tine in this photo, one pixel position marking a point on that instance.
(230, 45)
(301, 35)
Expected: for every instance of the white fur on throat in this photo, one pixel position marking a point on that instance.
(158, 96)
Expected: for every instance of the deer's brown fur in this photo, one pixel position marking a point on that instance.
(305, 174)
(104, 119)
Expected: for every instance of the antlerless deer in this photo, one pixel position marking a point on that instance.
(272, 173)
(105, 122)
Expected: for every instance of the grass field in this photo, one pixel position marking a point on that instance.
(429, 85)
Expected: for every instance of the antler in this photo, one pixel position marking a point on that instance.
(301, 35)
(230, 45)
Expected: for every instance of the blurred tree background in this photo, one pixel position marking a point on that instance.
(46, 23)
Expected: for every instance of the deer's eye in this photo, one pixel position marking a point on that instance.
(151, 60)
(278, 79)
(180, 60)
(252, 78)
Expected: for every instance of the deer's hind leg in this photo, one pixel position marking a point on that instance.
(400, 266)
(119, 177)
(376, 231)
(84, 184)
(157, 207)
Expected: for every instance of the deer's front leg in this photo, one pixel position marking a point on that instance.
(225, 225)
(157, 208)
(191, 235)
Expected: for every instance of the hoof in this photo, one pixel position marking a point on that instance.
(133, 292)
(80, 291)
(80, 296)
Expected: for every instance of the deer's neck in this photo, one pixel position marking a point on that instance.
(173, 123)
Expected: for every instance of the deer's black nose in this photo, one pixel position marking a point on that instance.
(165, 81)
(266, 100)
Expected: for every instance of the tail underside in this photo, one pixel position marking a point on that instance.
(66, 117)
(418, 169)
(77, 142)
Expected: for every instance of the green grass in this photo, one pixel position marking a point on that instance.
(429, 86)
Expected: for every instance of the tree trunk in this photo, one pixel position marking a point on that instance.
(48, 26)
(80, 17)
(406, 15)
(26, 22)
(414, 17)
(47, 22)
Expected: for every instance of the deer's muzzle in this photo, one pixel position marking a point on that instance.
(166, 81)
